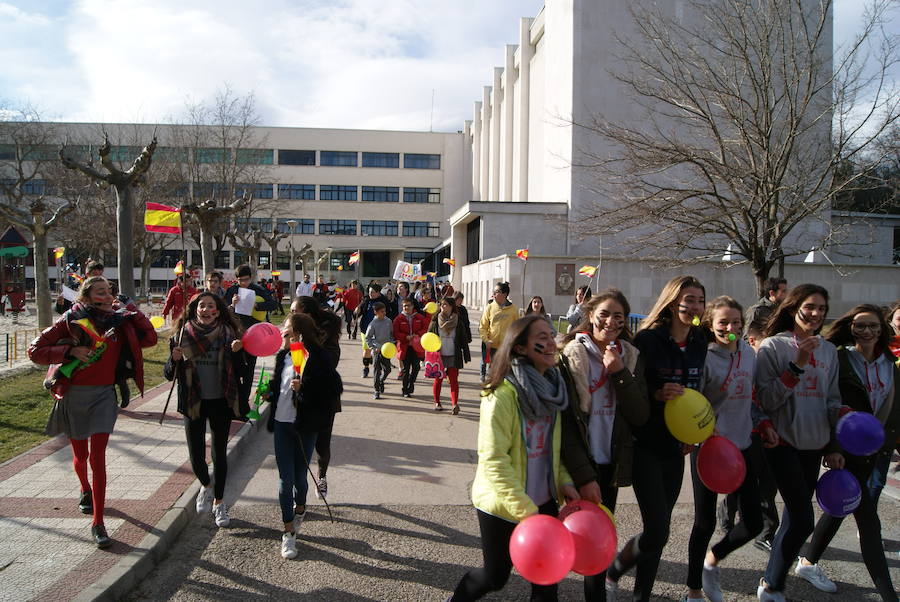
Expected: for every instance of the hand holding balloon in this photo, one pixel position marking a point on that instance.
(668, 392)
(569, 492)
(834, 460)
(236, 345)
(591, 492)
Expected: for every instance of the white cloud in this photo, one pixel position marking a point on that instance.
(16, 15)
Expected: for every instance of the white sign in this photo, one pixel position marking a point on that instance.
(246, 301)
(407, 272)
(68, 294)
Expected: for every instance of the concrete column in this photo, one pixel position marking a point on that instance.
(476, 154)
(526, 52)
(509, 108)
(485, 144)
(495, 174)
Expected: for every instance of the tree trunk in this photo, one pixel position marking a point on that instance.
(206, 250)
(41, 277)
(124, 224)
(253, 260)
(145, 277)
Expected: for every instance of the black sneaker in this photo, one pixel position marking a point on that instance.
(376, 395)
(763, 544)
(365, 372)
(98, 532)
(86, 503)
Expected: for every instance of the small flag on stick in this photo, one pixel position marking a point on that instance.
(354, 257)
(58, 252)
(179, 268)
(162, 218)
(450, 262)
(588, 270)
(522, 254)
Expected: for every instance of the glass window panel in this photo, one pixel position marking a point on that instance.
(339, 158)
(421, 161)
(296, 157)
(381, 194)
(381, 160)
(300, 192)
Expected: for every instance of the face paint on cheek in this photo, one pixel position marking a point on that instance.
(539, 347)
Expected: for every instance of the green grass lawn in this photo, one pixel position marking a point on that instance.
(25, 404)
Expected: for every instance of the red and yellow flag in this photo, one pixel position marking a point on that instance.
(299, 355)
(522, 254)
(179, 268)
(162, 218)
(588, 270)
(58, 252)
(450, 262)
(354, 257)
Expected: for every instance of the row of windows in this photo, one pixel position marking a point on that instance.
(339, 227)
(242, 156)
(223, 259)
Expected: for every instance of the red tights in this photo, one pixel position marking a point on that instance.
(453, 375)
(96, 456)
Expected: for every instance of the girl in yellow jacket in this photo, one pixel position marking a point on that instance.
(495, 321)
(519, 472)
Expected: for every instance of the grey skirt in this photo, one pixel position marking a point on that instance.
(449, 361)
(85, 410)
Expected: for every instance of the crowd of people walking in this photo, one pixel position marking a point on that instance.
(563, 415)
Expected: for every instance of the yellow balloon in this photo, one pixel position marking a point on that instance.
(259, 316)
(608, 513)
(431, 341)
(157, 321)
(431, 308)
(690, 418)
(388, 350)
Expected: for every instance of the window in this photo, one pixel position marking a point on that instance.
(378, 228)
(259, 191)
(33, 187)
(376, 264)
(381, 160)
(170, 154)
(415, 256)
(264, 259)
(296, 157)
(7, 152)
(222, 258)
(299, 192)
(210, 155)
(255, 156)
(381, 194)
(124, 154)
(417, 161)
(210, 190)
(339, 158)
(341, 260)
(304, 226)
(167, 259)
(337, 193)
(421, 195)
(341, 227)
(421, 229)
(247, 224)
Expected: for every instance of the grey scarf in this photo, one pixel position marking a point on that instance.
(539, 394)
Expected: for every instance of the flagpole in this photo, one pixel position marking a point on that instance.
(181, 331)
(524, 268)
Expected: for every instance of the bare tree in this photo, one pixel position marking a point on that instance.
(27, 198)
(122, 182)
(209, 218)
(743, 114)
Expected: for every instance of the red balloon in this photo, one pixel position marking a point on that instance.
(262, 339)
(416, 343)
(720, 465)
(595, 541)
(577, 506)
(542, 549)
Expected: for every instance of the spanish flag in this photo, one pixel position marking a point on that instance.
(450, 262)
(522, 254)
(179, 268)
(162, 218)
(299, 355)
(587, 270)
(58, 252)
(354, 257)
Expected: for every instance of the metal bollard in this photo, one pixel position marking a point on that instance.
(15, 346)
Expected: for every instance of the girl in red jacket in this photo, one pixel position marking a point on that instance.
(105, 338)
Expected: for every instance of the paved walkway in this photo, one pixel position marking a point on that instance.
(397, 464)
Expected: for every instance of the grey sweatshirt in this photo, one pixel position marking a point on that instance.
(378, 333)
(728, 385)
(803, 410)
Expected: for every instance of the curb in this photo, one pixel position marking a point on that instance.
(140, 561)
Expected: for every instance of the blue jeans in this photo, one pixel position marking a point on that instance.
(879, 475)
(292, 452)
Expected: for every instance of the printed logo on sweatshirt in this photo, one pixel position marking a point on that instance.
(536, 432)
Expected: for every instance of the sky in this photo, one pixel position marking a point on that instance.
(373, 64)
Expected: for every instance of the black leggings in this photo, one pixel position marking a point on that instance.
(767, 492)
(219, 415)
(409, 370)
(869, 536)
(705, 520)
(595, 585)
(323, 446)
(495, 535)
(796, 472)
(657, 483)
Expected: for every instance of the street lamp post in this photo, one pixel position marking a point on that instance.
(292, 224)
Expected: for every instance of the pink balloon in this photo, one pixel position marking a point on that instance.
(595, 541)
(720, 465)
(577, 506)
(262, 339)
(542, 549)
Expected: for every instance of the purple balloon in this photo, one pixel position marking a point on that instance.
(860, 433)
(838, 492)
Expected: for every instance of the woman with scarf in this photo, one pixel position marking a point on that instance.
(519, 435)
(104, 338)
(454, 350)
(606, 375)
(206, 358)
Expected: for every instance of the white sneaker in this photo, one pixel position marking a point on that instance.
(322, 489)
(815, 575)
(765, 596)
(220, 511)
(288, 545)
(204, 499)
(298, 520)
(711, 587)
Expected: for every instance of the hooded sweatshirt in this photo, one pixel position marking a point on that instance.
(728, 385)
(876, 376)
(803, 409)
